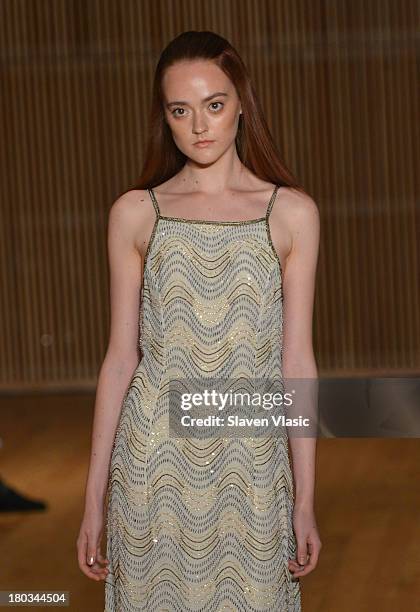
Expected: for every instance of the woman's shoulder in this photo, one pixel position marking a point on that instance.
(131, 208)
(296, 213)
(132, 201)
(296, 203)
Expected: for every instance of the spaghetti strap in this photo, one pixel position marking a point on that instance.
(154, 201)
(271, 202)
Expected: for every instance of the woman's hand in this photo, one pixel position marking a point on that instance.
(89, 555)
(308, 542)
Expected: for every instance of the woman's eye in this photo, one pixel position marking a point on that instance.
(174, 112)
(216, 103)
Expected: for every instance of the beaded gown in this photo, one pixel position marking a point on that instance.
(202, 525)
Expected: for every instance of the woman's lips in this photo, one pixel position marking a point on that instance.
(203, 143)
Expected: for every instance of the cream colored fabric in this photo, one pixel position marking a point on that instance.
(202, 524)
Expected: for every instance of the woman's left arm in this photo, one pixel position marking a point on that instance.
(300, 215)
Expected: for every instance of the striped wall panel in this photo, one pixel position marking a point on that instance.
(337, 81)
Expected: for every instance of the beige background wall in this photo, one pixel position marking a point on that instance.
(337, 81)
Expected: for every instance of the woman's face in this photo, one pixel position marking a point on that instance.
(201, 103)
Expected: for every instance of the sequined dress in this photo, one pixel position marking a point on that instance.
(202, 525)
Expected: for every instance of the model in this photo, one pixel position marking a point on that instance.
(213, 259)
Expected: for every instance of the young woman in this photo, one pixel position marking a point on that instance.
(213, 259)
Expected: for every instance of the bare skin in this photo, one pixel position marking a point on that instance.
(213, 185)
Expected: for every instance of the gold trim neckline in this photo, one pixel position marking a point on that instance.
(207, 221)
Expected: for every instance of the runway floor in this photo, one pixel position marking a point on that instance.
(367, 506)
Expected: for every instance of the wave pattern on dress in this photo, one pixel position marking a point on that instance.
(202, 524)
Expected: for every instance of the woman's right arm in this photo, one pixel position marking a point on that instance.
(122, 357)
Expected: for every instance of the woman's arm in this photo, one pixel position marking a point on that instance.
(127, 240)
(297, 217)
(298, 356)
(122, 356)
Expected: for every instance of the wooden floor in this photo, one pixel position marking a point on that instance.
(367, 504)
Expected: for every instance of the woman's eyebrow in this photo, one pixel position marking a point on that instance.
(218, 93)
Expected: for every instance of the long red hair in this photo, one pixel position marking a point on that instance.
(255, 145)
